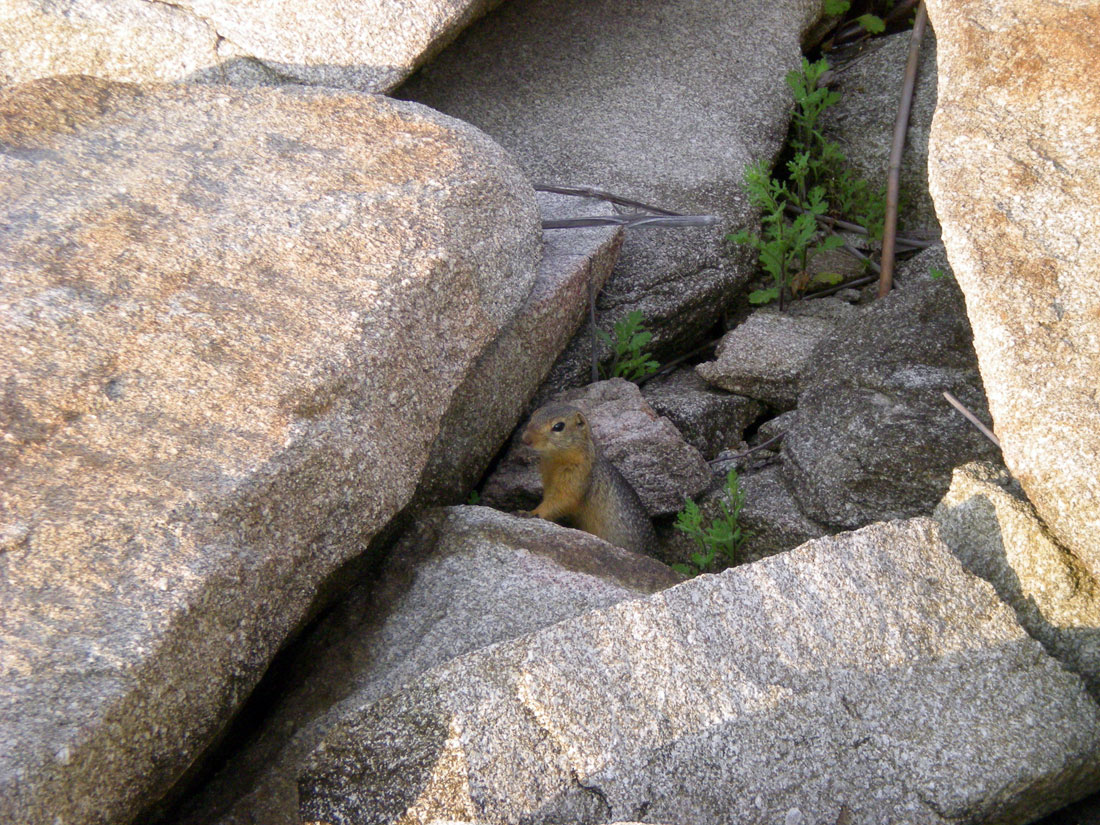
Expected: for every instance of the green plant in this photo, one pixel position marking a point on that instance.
(630, 361)
(872, 23)
(723, 535)
(785, 247)
(474, 497)
(936, 273)
(818, 183)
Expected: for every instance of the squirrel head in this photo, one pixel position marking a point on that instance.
(556, 427)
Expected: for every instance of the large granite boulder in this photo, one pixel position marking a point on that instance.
(1014, 167)
(233, 322)
(460, 579)
(866, 673)
(874, 438)
(369, 46)
(622, 96)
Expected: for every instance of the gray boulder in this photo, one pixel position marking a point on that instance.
(219, 306)
(709, 419)
(866, 671)
(369, 46)
(874, 438)
(647, 449)
(459, 580)
(622, 96)
(989, 524)
(1013, 168)
(863, 122)
(767, 355)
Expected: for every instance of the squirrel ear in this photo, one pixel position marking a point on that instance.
(578, 419)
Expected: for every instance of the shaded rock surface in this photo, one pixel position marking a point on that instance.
(874, 437)
(992, 528)
(709, 419)
(1014, 166)
(865, 670)
(647, 449)
(772, 515)
(766, 356)
(370, 46)
(215, 392)
(461, 579)
(494, 395)
(862, 122)
(622, 96)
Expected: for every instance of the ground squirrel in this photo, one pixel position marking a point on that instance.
(581, 485)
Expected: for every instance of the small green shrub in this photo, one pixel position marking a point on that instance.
(630, 360)
(819, 183)
(724, 535)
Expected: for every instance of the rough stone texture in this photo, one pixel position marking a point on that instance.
(766, 356)
(622, 96)
(772, 515)
(874, 437)
(866, 670)
(710, 420)
(490, 402)
(233, 323)
(461, 579)
(371, 46)
(863, 122)
(1014, 168)
(989, 524)
(647, 449)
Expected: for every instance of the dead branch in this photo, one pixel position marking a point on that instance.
(901, 126)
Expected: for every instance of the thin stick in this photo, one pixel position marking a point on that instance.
(589, 192)
(675, 362)
(631, 221)
(592, 326)
(973, 419)
(848, 226)
(901, 126)
(736, 456)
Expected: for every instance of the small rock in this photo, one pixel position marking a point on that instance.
(766, 356)
(709, 419)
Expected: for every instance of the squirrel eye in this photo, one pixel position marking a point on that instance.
(558, 427)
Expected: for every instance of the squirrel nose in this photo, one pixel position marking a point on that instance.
(526, 438)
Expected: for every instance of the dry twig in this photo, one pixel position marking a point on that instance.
(973, 419)
(901, 125)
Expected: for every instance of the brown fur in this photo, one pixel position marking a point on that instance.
(580, 485)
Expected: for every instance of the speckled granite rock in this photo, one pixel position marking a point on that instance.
(622, 96)
(865, 670)
(710, 419)
(370, 46)
(863, 122)
(766, 356)
(460, 580)
(874, 438)
(1014, 167)
(234, 322)
(647, 449)
(991, 527)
